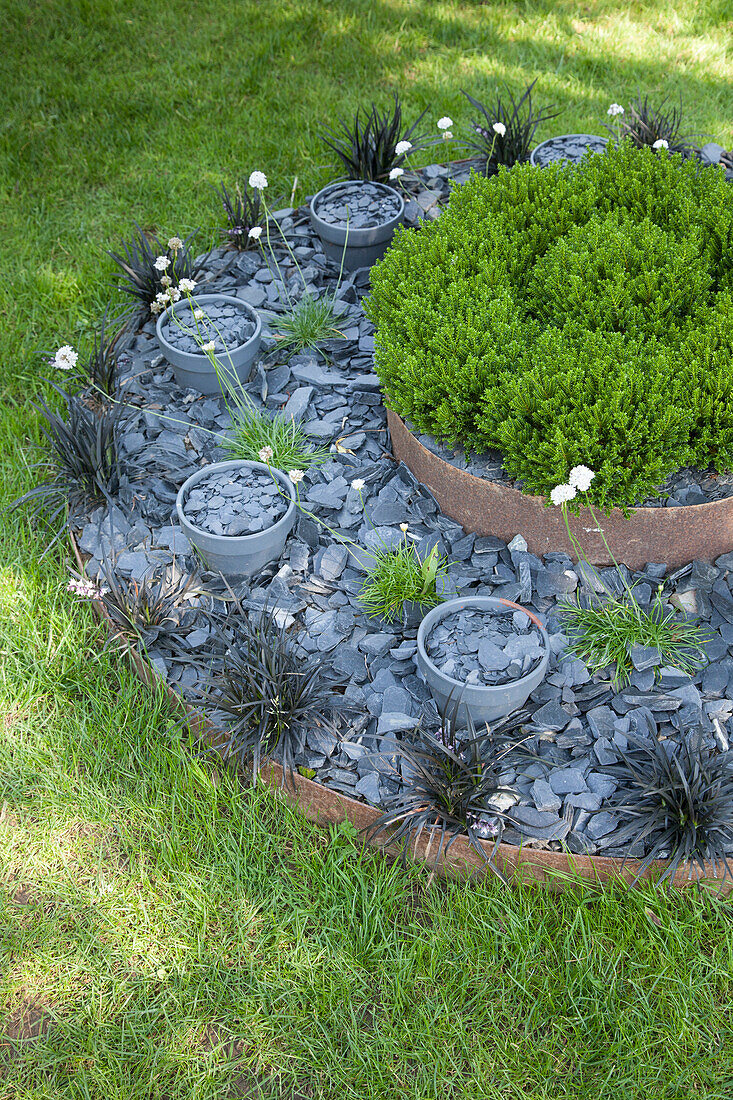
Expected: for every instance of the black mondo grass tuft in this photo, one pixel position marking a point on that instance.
(449, 787)
(149, 609)
(644, 125)
(243, 211)
(140, 279)
(676, 797)
(520, 120)
(270, 694)
(366, 145)
(99, 368)
(84, 462)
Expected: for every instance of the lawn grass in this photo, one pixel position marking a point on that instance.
(164, 933)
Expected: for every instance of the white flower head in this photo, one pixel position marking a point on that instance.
(580, 478)
(162, 298)
(162, 263)
(615, 109)
(403, 527)
(208, 347)
(255, 232)
(174, 293)
(187, 285)
(499, 128)
(156, 307)
(358, 484)
(445, 123)
(175, 244)
(660, 143)
(166, 281)
(447, 135)
(562, 493)
(65, 358)
(402, 147)
(266, 454)
(396, 173)
(295, 476)
(198, 315)
(85, 589)
(258, 180)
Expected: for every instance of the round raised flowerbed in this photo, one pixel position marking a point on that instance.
(356, 221)
(236, 515)
(673, 535)
(313, 588)
(483, 656)
(232, 325)
(569, 147)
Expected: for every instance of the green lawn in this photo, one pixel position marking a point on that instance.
(164, 933)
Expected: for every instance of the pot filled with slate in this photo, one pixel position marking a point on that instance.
(568, 147)
(356, 220)
(482, 655)
(233, 327)
(237, 515)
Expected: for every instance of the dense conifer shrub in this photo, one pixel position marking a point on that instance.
(569, 316)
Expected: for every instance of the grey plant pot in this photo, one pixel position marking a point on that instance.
(238, 555)
(365, 246)
(195, 371)
(484, 703)
(587, 140)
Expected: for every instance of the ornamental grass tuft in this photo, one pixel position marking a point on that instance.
(372, 144)
(269, 693)
(399, 576)
(310, 323)
(603, 634)
(651, 127)
(449, 782)
(145, 611)
(254, 430)
(675, 797)
(243, 212)
(505, 130)
(83, 462)
(144, 278)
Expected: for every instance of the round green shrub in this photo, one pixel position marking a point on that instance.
(569, 316)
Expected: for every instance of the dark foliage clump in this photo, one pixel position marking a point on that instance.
(148, 610)
(569, 317)
(243, 211)
(141, 280)
(84, 462)
(644, 124)
(365, 146)
(519, 120)
(270, 694)
(453, 776)
(676, 799)
(99, 368)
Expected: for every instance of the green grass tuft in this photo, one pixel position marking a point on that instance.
(253, 429)
(310, 323)
(401, 575)
(604, 634)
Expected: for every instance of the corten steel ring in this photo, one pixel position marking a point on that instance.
(672, 535)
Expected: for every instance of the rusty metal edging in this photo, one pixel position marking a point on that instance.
(556, 871)
(676, 536)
